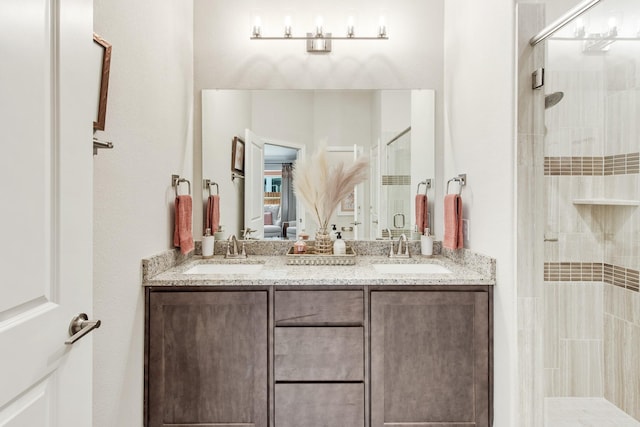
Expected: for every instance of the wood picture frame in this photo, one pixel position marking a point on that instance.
(103, 63)
(347, 205)
(237, 156)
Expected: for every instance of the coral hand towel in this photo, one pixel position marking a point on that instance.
(422, 212)
(453, 222)
(213, 213)
(182, 234)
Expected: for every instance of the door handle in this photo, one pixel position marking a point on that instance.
(395, 222)
(80, 326)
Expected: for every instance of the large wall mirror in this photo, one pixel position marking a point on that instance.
(394, 128)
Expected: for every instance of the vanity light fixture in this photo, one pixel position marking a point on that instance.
(318, 41)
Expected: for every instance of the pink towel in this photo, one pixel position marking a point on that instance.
(422, 212)
(212, 220)
(182, 234)
(453, 238)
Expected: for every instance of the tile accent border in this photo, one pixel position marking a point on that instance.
(626, 278)
(396, 179)
(621, 164)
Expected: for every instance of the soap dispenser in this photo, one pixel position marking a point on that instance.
(333, 233)
(339, 246)
(426, 243)
(208, 242)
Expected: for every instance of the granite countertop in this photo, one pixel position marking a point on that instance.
(465, 270)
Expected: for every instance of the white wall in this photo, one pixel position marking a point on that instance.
(228, 114)
(422, 135)
(225, 58)
(149, 119)
(479, 141)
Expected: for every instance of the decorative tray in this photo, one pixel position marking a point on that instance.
(311, 258)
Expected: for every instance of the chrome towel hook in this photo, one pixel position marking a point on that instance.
(175, 183)
(461, 179)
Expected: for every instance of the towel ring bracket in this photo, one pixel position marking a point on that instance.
(207, 183)
(427, 186)
(461, 179)
(176, 181)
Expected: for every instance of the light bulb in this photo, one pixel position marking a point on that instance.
(319, 23)
(382, 27)
(257, 26)
(287, 26)
(350, 27)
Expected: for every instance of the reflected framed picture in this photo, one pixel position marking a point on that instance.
(237, 155)
(101, 63)
(347, 205)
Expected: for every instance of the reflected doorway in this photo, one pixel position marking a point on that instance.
(279, 199)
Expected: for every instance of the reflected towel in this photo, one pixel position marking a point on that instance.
(453, 238)
(212, 219)
(422, 212)
(182, 234)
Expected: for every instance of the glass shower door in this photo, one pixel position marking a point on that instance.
(397, 184)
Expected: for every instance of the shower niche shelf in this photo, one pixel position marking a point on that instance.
(606, 202)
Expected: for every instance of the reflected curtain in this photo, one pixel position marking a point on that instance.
(287, 196)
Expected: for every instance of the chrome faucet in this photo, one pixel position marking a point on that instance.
(232, 248)
(399, 253)
(247, 232)
(388, 230)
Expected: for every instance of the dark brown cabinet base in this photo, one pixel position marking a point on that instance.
(207, 359)
(301, 356)
(429, 359)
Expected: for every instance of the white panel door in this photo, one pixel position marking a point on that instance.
(46, 216)
(254, 183)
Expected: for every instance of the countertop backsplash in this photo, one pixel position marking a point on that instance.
(162, 262)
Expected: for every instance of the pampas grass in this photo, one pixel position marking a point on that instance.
(321, 188)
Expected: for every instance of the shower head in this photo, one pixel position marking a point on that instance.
(552, 99)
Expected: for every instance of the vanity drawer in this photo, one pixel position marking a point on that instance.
(319, 354)
(319, 405)
(305, 308)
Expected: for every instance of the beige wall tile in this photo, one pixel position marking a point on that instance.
(580, 310)
(619, 302)
(582, 368)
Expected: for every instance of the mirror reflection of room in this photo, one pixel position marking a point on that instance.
(350, 124)
(279, 197)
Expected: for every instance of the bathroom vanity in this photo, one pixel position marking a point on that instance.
(292, 346)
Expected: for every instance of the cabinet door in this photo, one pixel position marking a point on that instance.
(207, 359)
(430, 359)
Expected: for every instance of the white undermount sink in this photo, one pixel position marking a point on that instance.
(225, 269)
(411, 268)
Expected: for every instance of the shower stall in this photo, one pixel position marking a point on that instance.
(579, 224)
(397, 184)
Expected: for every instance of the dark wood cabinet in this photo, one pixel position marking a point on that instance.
(430, 359)
(368, 356)
(207, 359)
(319, 405)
